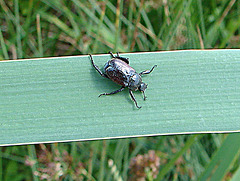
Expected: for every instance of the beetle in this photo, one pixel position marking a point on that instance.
(119, 71)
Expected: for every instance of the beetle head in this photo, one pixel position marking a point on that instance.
(142, 87)
(135, 82)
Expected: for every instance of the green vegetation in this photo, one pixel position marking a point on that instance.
(70, 27)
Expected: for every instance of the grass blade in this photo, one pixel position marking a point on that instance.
(170, 164)
(236, 175)
(18, 31)
(39, 33)
(33, 156)
(55, 99)
(3, 45)
(223, 158)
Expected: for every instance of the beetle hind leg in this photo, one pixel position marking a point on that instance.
(97, 68)
(118, 56)
(114, 92)
(134, 99)
(112, 54)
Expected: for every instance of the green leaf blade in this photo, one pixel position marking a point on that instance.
(55, 99)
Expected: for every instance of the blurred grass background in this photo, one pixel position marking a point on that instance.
(42, 28)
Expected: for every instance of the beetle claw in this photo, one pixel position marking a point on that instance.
(101, 94)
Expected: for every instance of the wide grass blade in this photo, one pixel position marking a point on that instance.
(56, 99)
(236, 175)
(223, 158)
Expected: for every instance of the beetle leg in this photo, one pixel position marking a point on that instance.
(111, 54)
(133, 98)
(122, 58)
(114, 92)
(144, 96)
(147, 71)
(97, 68)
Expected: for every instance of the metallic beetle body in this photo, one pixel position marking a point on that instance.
(121, 73)
(118, 70)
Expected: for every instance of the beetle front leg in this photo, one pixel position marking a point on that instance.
(147, 71)
(144, 96)
(114, 92)
(133, 98)
(97, 68)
